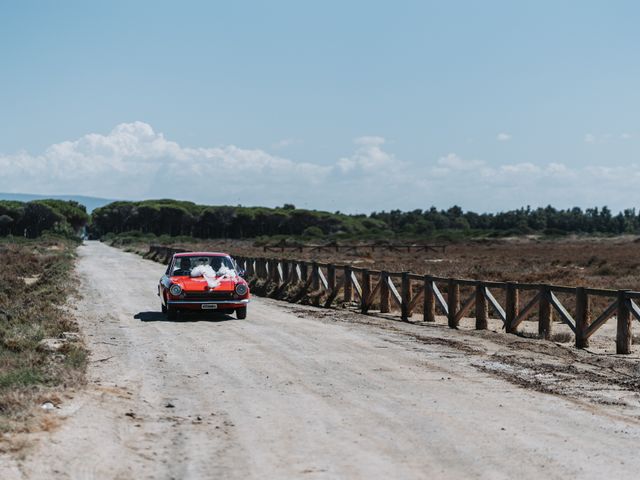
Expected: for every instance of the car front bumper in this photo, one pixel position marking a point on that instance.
(208, 304)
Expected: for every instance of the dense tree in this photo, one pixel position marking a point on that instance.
(33, 218)
(168, 217)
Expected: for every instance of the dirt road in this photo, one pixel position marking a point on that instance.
(295, 392)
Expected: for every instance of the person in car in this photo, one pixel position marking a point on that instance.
(185, 267)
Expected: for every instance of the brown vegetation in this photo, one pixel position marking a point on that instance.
(591, 262)
(35, 283)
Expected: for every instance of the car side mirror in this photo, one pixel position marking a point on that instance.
(241, 272)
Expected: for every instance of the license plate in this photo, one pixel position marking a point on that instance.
(209, 306)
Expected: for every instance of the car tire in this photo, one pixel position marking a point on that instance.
(163, 307)
(172, 314)
(241, 313)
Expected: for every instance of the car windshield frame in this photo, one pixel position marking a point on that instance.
(224, 260)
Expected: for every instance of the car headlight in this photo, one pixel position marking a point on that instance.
(241, 289)
(175, 290)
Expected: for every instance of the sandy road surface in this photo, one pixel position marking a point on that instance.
(295, 392)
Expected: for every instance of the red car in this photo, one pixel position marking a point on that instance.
(203, 281)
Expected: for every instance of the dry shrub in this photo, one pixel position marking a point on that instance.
(28, 314)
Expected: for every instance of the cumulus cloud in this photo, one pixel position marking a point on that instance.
(134, 161)
(369, 157)
(503, 137)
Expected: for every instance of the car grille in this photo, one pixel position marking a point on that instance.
(208, 296)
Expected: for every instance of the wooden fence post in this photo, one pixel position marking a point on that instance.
(405, 296)
(384, 292)
(546, 315)
(270, 269)
(315, 277)
(453, 302)
(482, 308)
(348, 285)
(285, 271)
(366, 290)
(623, 338)
(583, 317)
(512, 307)
(331, 277)
(429, 306)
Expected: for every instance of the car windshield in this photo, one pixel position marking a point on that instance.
(182, 265)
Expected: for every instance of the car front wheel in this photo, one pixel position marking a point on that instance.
(241, 313)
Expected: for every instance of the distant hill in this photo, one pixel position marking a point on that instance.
(90, 202)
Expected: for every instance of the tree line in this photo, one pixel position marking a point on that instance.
(32, 219)
(176, 218)
(180, 218)
(547, 220)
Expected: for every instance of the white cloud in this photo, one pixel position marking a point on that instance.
(452, 161)
(133, 161)
(503, 137)
(590, 138)
(369, 157)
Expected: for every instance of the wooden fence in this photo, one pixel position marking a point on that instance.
(454, 298)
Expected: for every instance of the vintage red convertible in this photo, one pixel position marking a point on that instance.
(203, 281)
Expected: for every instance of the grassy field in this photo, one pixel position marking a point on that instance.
(41, 354)
(599, 262)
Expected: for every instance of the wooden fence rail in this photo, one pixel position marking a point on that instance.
(453, 298)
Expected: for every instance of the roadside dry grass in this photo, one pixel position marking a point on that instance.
(35, 284)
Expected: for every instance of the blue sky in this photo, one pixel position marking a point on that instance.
(349, 105)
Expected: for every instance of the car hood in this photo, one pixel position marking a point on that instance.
(199, 284)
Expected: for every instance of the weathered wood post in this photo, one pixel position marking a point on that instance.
(384, 292)
(284, 266)
(331, 278)
(348, 285)
(429, 305)
(453, 302)
(315, 277)
(252, 267)
(405, 295)
(583, 317)
(259, 267)
(366, 290)
(482, 308)
(512, 307)
(546, 315)
(304, 272)
(623, 338)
